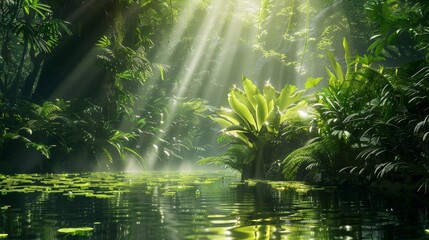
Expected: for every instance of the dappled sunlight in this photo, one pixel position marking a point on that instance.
(205, 54)
(214, 119)
(227, 43)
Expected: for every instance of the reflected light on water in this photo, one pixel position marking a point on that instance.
(137, 206)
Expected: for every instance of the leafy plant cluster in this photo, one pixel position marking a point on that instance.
(371, 120)
(107, 127)
(254, 125)
(369, 123)
(28, 32)
(66, 135)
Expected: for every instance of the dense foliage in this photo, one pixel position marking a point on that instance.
(255, 122)
(104, 121)
(372, 121)
(99, 85)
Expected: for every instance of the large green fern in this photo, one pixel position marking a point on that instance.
(299, 159)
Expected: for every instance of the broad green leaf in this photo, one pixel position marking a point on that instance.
(242, 111)
(241, 137)
(27, 10)
(271, 106)
(250, 90)
(222, 122)
(269, 92)
(261, 110)
(347, 55)
(312, 82)
(332, 79)
(242, 98)
(336, 67)
(273, 121)
(76, 231)
(235, 128)
(230, 115)
(288, 96)
(285, 94)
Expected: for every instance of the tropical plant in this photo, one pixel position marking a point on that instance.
(236, 157)
(340, 118)
(314, 162)
(172, 135)
(395, 145)
(28, 31)
(127, 70)
(372, 124)
(98, 141)
(401, 28)
(255, 120)
(67, 136)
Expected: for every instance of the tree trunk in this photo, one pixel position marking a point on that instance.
(31, 79)
(256, 168)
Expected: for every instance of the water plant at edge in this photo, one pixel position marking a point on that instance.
(254, 121)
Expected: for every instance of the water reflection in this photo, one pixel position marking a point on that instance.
(208, 207)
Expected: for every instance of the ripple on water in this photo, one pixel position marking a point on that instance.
(138, 208)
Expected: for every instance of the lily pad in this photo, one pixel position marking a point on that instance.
(81, 231)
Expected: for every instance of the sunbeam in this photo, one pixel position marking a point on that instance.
(230, 39)
(204, 51)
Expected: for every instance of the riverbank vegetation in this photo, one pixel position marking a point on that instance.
(335, 92)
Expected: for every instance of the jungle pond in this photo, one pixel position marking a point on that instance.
(197, 205)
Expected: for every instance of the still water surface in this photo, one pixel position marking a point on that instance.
(199, 206)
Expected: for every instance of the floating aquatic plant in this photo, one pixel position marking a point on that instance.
(106, 185)
(80, 231)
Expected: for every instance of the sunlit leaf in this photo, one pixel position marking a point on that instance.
(250, 90)
(312, 82)
(288, 96)
(103, 42)
(261, 110)
(230, 115)
(242, 111)
(222, 122)
(269, 92)
(336, 67)
(80, 231)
